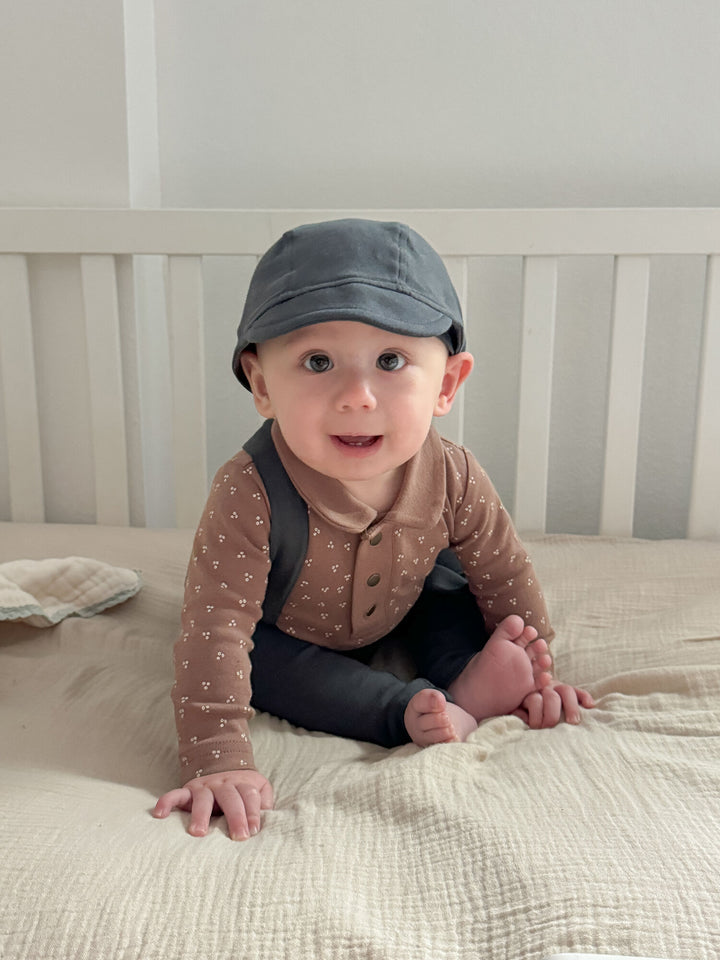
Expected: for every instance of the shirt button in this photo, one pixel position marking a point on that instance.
(373, 580)
(374, 541)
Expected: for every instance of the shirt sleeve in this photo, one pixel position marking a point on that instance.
(224, 592)
(499, 570)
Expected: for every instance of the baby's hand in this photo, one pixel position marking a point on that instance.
(544, 708)
(239, 794)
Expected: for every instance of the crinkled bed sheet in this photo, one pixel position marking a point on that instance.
(514, 846)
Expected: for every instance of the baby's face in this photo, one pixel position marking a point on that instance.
(352, 401)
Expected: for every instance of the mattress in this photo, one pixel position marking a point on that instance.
(597, 839)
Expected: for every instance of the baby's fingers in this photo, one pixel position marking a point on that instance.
(180, 799)
(241, 809)
(533, 706)
(255, 801)
(569, 699)
(242, 802)
(203, 801)
(572, 699)
(543, 707)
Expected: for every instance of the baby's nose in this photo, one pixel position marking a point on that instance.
(356, 393)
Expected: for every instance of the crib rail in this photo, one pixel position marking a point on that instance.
(146, 269)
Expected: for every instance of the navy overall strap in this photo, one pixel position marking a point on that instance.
(288, 522)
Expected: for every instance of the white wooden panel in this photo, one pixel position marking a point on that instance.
(538, 335)
(150, 307)
(629, 321)
(704, 520)
(17, 365)
(452, 425)
(532, 232)
(107, 404)
(185, 304)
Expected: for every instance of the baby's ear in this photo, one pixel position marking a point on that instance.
(256, 378)
(457, 370)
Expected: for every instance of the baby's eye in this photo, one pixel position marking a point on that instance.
(390, 361)
(318, 363)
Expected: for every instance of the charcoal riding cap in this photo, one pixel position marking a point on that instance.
(384, 274)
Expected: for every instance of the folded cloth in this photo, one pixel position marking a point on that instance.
(43, 592)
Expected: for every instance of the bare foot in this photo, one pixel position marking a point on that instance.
(430, 718)
(512, 664)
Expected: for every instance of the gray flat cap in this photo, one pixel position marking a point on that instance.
(384, 274)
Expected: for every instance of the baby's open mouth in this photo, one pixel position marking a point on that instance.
(355, 441)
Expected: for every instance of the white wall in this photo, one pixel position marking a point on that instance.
(63, 139)
(439, 102)
(383, 103)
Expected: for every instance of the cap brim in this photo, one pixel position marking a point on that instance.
(386, 309)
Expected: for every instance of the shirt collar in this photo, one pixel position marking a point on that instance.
(419, 504)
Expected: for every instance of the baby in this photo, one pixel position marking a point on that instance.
(351, 341)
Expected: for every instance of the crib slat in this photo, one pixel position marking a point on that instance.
(185, 304)
(107, 403)
(17, 364)
(452, 426)
(629, 320)
(538, 335)
(704, 519)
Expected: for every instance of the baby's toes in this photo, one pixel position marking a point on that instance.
(543, 678)
(432, 728)
(428, 701)
(530, 641)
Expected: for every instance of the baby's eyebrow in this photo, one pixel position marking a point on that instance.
(307, 351)
(303, 338)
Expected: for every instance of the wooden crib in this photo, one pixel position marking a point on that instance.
(595, 407)
(105, 324)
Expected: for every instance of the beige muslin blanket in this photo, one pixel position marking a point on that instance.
(43, 592)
